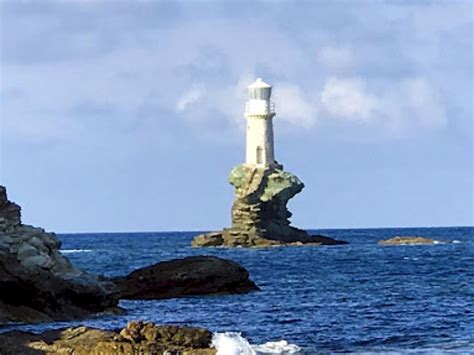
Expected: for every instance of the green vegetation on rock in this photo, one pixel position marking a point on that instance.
(281, 184)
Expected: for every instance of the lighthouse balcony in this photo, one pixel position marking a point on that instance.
(259, 108)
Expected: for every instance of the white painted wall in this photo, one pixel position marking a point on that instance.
(260, 136)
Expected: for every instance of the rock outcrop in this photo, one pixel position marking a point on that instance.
(37, 283)
(408, 240)
(137, 338)
(259, 213)
(196, 275)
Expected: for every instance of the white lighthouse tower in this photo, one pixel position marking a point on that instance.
(259, 112)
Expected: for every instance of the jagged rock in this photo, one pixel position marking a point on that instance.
(196, 275)
(137, 338)
(260, 217)
(408, 240)
(10, 213)
(37, 282)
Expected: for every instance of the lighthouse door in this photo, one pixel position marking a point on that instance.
(259, 155)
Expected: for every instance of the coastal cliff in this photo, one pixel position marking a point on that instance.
(37, 283)
(260, 216)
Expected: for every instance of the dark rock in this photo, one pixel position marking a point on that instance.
(37, 283)
(260, 217)
(408, 240)
(137, 338)
(10, 213)
(196, 275)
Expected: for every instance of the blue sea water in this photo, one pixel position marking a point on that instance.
(359, 298)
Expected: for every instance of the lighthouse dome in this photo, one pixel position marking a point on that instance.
(260, 90)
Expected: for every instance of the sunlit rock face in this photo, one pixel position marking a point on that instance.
(137, 337)
(261, 198)
(37, 282)
(260, 216)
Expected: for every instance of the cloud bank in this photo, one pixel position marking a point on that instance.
(171, 58)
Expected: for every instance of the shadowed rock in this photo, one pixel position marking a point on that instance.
(137, 338)
(260, 217)
(37, 283)
(196, 275)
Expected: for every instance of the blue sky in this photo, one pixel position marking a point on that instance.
(128, 115)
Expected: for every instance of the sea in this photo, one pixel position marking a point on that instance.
(358, 298)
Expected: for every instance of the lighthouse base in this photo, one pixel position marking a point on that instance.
(260, 217)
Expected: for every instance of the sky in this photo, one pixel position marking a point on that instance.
(125, 115)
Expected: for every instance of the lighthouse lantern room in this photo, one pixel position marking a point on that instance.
(259, 112)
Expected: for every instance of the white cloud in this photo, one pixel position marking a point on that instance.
(394, 105)
(348, 99)
(188, 98)
(293, 105)
(118, 67)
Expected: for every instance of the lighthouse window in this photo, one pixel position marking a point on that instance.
(259, 155)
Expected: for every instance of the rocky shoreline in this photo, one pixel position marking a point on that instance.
(39, 284)
(136, 338)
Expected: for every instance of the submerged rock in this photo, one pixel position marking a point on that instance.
(260, 217)
(37, 283)
(196, 275)
(408, 240)
(137, 338)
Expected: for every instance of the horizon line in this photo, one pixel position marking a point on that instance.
(306, 229)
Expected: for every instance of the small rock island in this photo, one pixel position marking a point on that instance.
(260, 217)
(408, 240)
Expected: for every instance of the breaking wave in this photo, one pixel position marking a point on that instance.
(71, 251)
(231, 343)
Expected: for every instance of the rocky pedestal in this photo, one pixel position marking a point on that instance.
(37, 283)
(259, 213)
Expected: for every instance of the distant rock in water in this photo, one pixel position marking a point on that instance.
(408, 240)
(137, 338)
(37, 283)
(196, 275)
(260, 217)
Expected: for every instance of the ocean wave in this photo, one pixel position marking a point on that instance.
(71, 251)
(232, 343)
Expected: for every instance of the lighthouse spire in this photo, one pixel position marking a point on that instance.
(259, 112)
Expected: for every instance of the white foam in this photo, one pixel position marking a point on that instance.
(71, 251)
(231, 343)
(277, 347)
(456, 241)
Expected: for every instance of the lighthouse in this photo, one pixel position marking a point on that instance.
(262, 188)
(259, 112)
